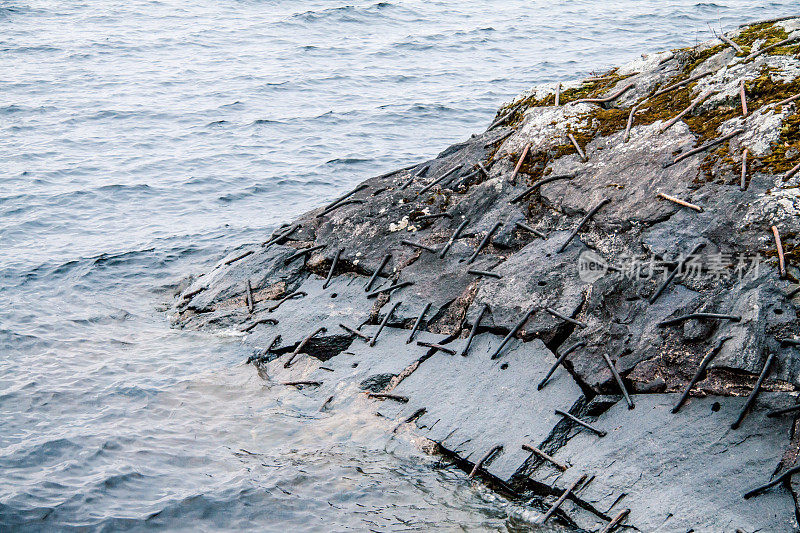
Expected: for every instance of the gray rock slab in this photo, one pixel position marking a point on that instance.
(474, 403)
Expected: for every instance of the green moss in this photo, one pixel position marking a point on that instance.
(768, 31)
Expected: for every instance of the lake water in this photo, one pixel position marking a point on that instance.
(139, 141)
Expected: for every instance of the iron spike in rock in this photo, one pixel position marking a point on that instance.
(337, 206)
(674, 273)
(513, 179)
(752, 398)
(615, 522)
(484, 242)
(251, 303)
(238, 257)
(536, 451)
(417, 323)
(453, 238)
(743, 185)
(418, 245)
(786, 476)
(698, 316)
(538, 184)
(781, 259)
(483, 459)
(484, 273)
(527, 228)
(578, 147)
(390, 288)
(560, 360)
(698, 373)
(565, 318)
(474, 329)
(439, 179)
(680, 84)
(333, 267)
(680, 202)
(302, 345)
(598, 432)
(304, 251)
(292, 296)
(387, 396)
(269, 321)
(561, 499)
(296, 383)
(583, 221)
(435, 346)
(377, 272)
(607, 98)
(355, 332)
(705, 147)
(513, 332)
(383, 324)
(275, 239)
(619, 381)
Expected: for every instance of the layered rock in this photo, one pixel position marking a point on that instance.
(549, 229)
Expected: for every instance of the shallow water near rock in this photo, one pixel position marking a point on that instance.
(140, 141)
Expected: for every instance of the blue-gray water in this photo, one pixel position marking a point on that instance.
(141, 139)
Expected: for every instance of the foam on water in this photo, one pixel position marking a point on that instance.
(139, 141)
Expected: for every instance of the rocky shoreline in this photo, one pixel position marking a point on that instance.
(591, 305)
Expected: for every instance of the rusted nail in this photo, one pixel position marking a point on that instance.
(499, 139)
(752, 398)
(578, 147)
(391, 173)
(680, 202)
(619, 381)
(474, 329)
(513, 332)
(780, 412)
(383, 323)
(697, 101)
(561, 499)
(377, 272)
(418, 174)
(484, 242)
(418, 322)
(387, 396)
(674, 273)
(779, 246)
(560, 360)
(538, 184)
(743, 185)
(191, 294)
(436, 346)
(296, 383)
(270, 321)
(786, 476)
(598, 432)
(302, 345)
(705, 147)
(251, 304)
(292, 296)
(326, 403)
(337, 206)
(690, 316)
(434, 215)
(526, 227)
(390, 288)
(453, 238)
(726, 40)
(794, 342)
(791, 172)
(483, 459)
(500, 120)
(345, 196)
(615, 522)
(627, 135)
(698, 373)
(418, 413)
(439, 179)
(546, 457)
(607, 98)
(304, 251)
(333, 267)
(583, 221)
(558, 95)
(786, 100)
(743, 98)
(564, 317)
(513, 179)
(420, 246)
(680, 84)
(354, 332)
(281, 236)
(485, 273)
(770, 47)
(240, 256)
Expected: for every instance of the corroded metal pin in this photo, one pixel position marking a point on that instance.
(484, 242)
(439, 179)
(619, 381)
(191, 294)
(483, 459)
(698, 373)
(513, 332)
(561, 499)
(513, 179)
(565, 318)
(779, 246)
(680, 84)
(333, 267)
(558, 95)
(705, 147)
(674, 120)
(536, 451)
(418, 174)
(302, 345)
(615, 522)
(345, 196)
(577, 147)
(674, 273)
(417, 323)
(296, 383)
(607, 98)
(474, 329)
(337, 206)
(485, 273)
(240, 256)
(743, 98)
(598, 432)
(743, 185)
(538, 184)
(434, 216)
(418, 245)
(770, 47)
(724, 38)
(627, 135)
(304, 251)
(436, 346)
(377, 272)
(784, 411)
(390, 288)
(526, 227)
(383, 323)
(791, 172)
(387, 396)
(281, 236)
(499, 139)
(251, 303)
(500, 120)
(560, 360)
(752, 398)
(691, 316)
(269, 321)
(292, 296)
(354, 332)
(786, 476)
(453, 238)
(680, 202)
(583, 221)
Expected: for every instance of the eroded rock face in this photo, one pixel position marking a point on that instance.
(520, 263)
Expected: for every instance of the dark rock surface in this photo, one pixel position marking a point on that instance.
(675, 472)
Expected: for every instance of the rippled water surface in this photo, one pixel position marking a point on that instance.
(139, 141)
